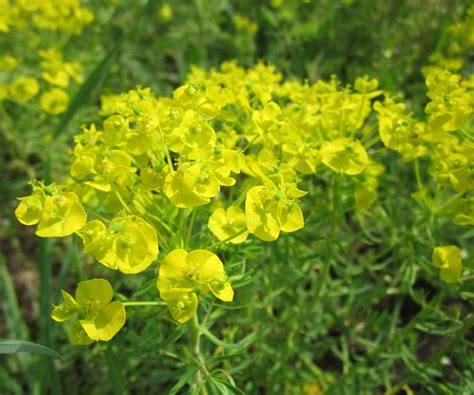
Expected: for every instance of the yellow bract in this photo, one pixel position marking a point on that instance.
(448, 260)
(23, 89)
(226, 223)
(194, 184)
(58, 214)
(345, 155)
(269, 211)
(153, 161)
(54, 101)
(98, 318)
(130, 244)
(183, 275)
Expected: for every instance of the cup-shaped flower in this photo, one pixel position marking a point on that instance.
(131, 245)
(63, 215)
(98, 317)
(291, 217)
(54, 101)
(269, 211)
(57, 213)
(226, 223)
(182, 303)
(262, 212)
(190, 186)
(30, 209)
(448, 260)
(95, 238)
(184, 274)
(23, 88)
(344, 155)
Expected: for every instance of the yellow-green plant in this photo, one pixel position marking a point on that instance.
(229, 149)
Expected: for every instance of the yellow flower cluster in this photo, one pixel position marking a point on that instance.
(241, 139)
(58, 15)
(19, 74)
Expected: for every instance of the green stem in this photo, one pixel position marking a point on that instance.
(191, 226)
(321, 286)
(196, 351)
(167, 151)
(417, 175)
(214, 245)
(202, 33)
(122, 202)
(359, 113)
(466, 134)
(77, 261)
(182, 227)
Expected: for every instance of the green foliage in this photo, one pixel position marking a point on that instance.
(358, 300)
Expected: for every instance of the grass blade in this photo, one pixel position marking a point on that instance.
(14, 346)
(16, 325)
(9, 304)
(115, 373)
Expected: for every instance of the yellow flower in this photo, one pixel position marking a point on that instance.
(165, 13)
(262, 212)
(364, 197)
(57, 213)
(448, 259)
(54, 101)
(99, 318)
(344, 155)
(194, 184)
(183, 275)
(130, 244)
(23, 89)
(269, 211)
(8, 63)
(226, 223)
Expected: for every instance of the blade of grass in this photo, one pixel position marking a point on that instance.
(9, 304)
(115, 372)
(8, 346)
(15, 323)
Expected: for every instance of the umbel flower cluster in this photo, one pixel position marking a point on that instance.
(229, 148)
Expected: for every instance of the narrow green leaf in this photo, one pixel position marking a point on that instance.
(183, 380)
(229, 346)
(226, 387)
(115, 372)
(9, 304)
(14, 346)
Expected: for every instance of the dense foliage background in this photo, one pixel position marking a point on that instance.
(377, 319)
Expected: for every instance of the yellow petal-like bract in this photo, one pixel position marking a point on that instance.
(344, 155)
(226, 223)
(57, 213)
(183, 275)
(100, 319)
(448, 260)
